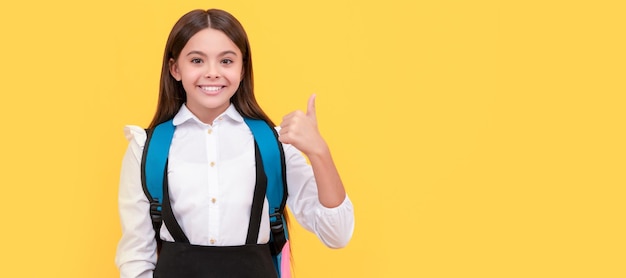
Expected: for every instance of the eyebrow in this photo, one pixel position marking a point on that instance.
(197, 52)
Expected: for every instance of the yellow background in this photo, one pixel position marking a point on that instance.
(475, 138)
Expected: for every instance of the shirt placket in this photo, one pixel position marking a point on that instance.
(213, 183)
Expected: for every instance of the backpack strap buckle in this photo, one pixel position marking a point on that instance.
(155, 214)
(278, 233)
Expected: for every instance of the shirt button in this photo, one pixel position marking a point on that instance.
(210, 131)
(212, 164)
(219, 119)
(213, 200)
(212, 241)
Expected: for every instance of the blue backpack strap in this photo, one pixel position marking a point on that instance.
(153, 162)
(272, 152)
(270, 147)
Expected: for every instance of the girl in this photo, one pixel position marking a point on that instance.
(207, 88)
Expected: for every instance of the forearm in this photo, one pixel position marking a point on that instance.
(331, 192)
(309, 199)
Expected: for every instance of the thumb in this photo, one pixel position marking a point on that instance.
(311, 107)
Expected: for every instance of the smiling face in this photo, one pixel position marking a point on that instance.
(210, 68)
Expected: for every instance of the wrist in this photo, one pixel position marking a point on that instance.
(319, 151)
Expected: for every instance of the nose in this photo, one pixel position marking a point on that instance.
(212, 71)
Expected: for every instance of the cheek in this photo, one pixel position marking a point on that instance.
(237, 75)
(189, 82)
(190, 77)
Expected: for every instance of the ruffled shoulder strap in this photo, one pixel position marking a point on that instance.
(135, 133)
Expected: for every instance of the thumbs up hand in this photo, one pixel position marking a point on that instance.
(300, 130)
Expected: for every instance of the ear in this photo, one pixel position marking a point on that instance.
(174, 70)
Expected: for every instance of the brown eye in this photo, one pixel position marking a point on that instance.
(196, 61)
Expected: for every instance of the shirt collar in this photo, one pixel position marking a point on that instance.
(185, 115)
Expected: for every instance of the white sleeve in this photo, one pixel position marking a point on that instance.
(333, 226)
(136, 251)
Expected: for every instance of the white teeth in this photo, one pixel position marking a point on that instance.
(211, 88)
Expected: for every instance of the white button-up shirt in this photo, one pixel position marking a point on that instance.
(211, 172)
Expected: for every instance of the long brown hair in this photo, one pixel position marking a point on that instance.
(171, 92)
